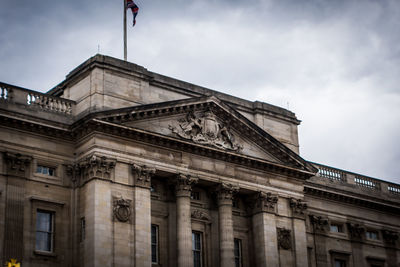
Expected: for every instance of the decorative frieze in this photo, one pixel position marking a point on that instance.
(204, 128)
(284, 238)
(298, 208)
(390, 237)
(122, 209)
(200, 215)
(319, 223)
(264, 202)
(17, 164)
(142, 175)
(356, 230)
(96, 167)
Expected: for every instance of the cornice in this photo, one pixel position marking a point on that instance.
(352, 198)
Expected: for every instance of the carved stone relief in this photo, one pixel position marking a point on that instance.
(264, 202)
(204, 128)
(298, 207)
(200, 215)
(142, 175)
(390, 237)
(17, 164)
(320, 223)
(96, 167)
(356, 230)
(122, 209)
(284, 238)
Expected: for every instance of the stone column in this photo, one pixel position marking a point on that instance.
(299, 208)
(226, 243)
(183, 219)
(142, 219)
(264, 230)
(320, 225)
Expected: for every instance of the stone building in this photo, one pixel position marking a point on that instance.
(120, 166)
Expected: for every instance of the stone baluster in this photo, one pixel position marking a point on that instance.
(183, 219)
(226, 242)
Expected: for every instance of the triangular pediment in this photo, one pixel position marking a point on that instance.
(207, 121)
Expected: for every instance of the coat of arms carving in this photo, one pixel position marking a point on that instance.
(205, 129)
(122, 209)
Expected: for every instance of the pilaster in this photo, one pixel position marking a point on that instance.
(299, 208)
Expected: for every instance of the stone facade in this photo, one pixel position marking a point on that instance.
(120, 166)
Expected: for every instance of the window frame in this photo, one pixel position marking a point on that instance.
(240, 256)
(368, 236)
(339, 226)
(200, 251)
(156, 244)
(51, 233)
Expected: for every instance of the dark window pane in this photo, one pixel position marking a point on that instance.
(43, 222)
(43, 241)
(153, 253)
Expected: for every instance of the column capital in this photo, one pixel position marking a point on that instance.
(264, 202)
(96, 166)
(17, 164)
(142, 175)
(225, 193)
(298, 208)
(320, 223)
(184, 183)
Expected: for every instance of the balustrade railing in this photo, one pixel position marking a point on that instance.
(331, 173)
(14, 94)
(367, 182)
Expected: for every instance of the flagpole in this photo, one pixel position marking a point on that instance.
(125, 34)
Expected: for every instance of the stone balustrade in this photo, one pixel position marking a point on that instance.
(361, 181)
(29, 98)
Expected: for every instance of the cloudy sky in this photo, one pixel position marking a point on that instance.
(336, 64)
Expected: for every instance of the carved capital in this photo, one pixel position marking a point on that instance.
(122, 209)
(225, 193)
(284, 238)
(319, 223)
(390, 237)
(96, 167)
(298, 208)
(356, 230)
(264, 202)
(142, 175)
(73, 171)
(17, 164)
(200, 215)
(184, 183)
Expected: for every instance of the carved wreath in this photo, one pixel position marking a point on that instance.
(284, 238)
(122, 209)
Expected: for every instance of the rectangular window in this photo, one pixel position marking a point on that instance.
(197, 249)
(336, 228)
(238, 252)
(154, 243)
(44, 231)
(340, 263)
(45, 170)
(371, 234)
(195, 195)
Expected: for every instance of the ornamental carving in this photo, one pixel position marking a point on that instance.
(200, 215)
(356, 230)
(96, 167)
(390, 237)
(264, 202)
(205, 129)
(142, 175)
(284, 238)
(184, 183)
(226, 191)
(122, 209)
(320, 223)
(73, 171)
(17, 164)
(298, 207)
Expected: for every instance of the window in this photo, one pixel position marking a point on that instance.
(336, 228)
(154, 243)
(195, 195)
(83, 229)
(197, 249)
(339, 263)
(45, 170)
(44, 231)
(371, 234)
(238, 252)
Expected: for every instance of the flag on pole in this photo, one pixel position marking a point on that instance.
(135, 9)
